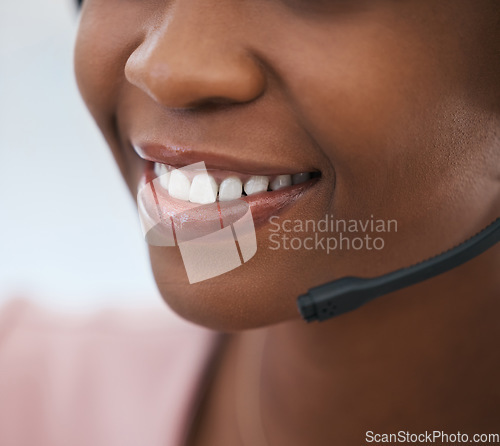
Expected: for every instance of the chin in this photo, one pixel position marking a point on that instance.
(244, 298)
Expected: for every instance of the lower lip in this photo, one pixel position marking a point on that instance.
(263, 205)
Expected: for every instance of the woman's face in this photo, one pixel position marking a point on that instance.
(395, 103)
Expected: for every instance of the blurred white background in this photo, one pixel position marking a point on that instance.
(69, 232)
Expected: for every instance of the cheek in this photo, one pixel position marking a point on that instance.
(104, 42)
(107, 35)
(95, 74)
(381, 100)
(389, 107)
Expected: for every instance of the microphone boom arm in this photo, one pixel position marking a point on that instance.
(346, 294)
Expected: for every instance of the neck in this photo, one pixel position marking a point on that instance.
(419, 359)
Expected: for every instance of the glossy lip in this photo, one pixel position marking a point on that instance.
(263, 205)
(176, 156)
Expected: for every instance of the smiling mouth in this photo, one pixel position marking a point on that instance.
(181, 188)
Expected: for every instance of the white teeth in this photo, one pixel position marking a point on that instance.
(203, 189)
(281, 181)
(179, 185)
(300, 177)
(159, 169)
(256, 184)
(230, 189)
(165, 180)
(163, 175)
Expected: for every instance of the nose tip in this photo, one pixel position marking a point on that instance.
(186, 71)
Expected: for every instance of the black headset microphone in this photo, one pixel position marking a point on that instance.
(349, 293)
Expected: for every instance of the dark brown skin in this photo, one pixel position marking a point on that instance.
(397, 104)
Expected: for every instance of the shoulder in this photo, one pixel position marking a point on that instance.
(74, 372)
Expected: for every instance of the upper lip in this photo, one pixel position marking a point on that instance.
(180, 156)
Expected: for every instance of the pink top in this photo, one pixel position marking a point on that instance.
(113, 378)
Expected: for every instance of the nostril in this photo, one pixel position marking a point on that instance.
(213, 103)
